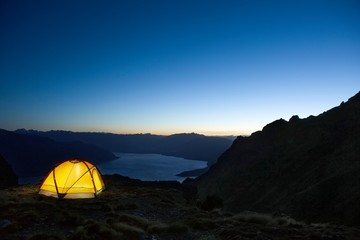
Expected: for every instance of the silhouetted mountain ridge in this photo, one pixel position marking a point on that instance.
(35, 156)
(186, 145)
(308, 168)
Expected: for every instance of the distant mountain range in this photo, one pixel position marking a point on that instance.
(190, 146)
(33, 153)
(35, 156)
(307, 168)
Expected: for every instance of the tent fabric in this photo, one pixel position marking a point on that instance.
(73, 179)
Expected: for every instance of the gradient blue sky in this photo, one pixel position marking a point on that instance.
(212, 67)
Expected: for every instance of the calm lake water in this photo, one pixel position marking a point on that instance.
(150, 167)
(147, 167)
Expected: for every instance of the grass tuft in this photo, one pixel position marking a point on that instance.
(177, 227)
(42, 236)
(200, 223)
(94, 230)
(209, 237)
(9, 227)
(252, 217)
(28, 217)
(126, 206)
(134, 220)
(157, 228)
(265, 219)
(128, 231)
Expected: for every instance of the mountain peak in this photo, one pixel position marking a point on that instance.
(301, 167)
(355, 98)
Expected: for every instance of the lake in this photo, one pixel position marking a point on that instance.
(150, 167)
(146, 167)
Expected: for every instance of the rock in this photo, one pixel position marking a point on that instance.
(294, 118)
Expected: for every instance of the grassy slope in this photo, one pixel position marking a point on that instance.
(133, 210)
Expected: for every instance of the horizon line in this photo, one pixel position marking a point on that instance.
(205, 133)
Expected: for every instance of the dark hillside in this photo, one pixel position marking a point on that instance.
(35, 156)
(195, 146)
(7, 176)
(308, 168)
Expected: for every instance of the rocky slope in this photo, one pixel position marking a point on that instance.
(7, 176)
(307, 168)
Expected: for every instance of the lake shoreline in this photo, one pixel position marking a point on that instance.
(193, 173)
(152, 166)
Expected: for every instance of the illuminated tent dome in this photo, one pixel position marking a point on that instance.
(73, 179)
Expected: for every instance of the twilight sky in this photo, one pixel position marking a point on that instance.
(212, 67)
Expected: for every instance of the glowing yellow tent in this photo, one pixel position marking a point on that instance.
(73, 179)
